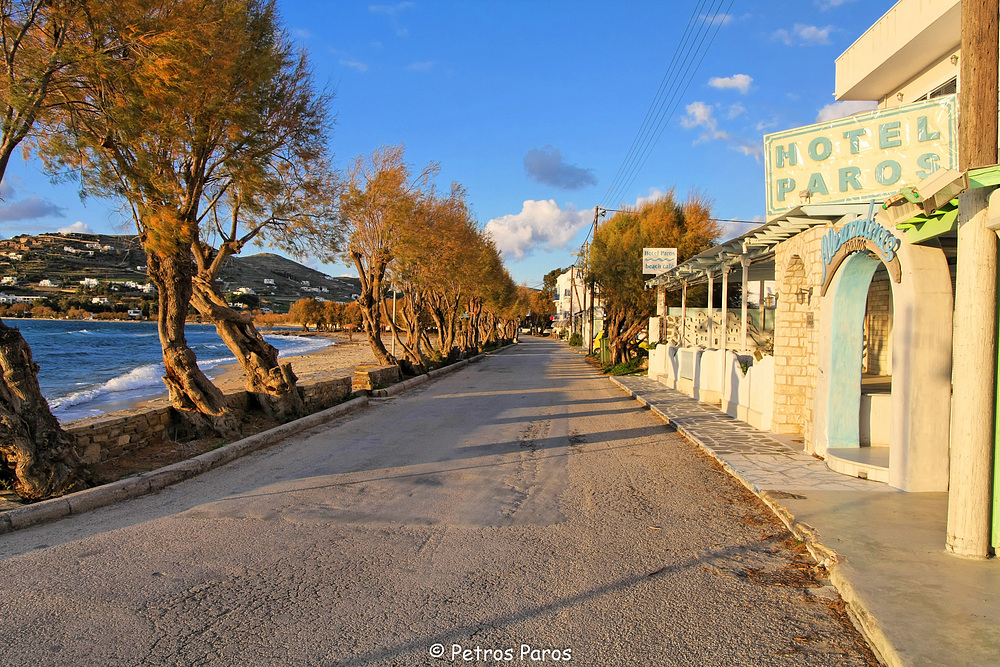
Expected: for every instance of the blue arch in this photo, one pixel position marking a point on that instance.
(850, 297)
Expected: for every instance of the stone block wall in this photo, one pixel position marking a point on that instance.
(367, 378)
(798, 277)
(116, 434)
(878, 326)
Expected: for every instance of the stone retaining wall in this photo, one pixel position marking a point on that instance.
(110, 436)
(367, 378)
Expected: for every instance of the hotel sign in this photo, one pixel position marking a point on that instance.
(860, 158)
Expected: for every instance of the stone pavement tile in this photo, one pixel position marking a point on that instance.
(762, 460)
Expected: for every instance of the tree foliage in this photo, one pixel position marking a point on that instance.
(41, 41)
(616, 259)
(205, 123)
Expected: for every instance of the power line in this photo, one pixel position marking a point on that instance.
(653, 104)
(679, 80)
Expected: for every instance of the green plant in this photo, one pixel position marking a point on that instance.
(627, 368)
(576, 340)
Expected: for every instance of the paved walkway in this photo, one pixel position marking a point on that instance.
(885, 549)
(763, 461)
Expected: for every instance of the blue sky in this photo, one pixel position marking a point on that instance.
(533, 106)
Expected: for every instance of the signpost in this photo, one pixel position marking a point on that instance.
(658, 260)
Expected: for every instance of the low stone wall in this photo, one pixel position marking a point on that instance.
(110, 436)
(367, 378)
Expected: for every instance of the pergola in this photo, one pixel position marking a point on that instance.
(753, 253)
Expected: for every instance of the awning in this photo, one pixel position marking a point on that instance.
(757, 245)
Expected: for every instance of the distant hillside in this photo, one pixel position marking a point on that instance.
(61, 261)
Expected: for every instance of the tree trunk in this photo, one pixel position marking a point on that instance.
(191, 392)
(40, 453)
(370, 303)
(271, 382)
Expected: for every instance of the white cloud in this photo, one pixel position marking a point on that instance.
(750, 149)
(700, 114)
(844, 109)
(735, 111)
(717, 19)
(740, 82)
(390, 10)
(421, 67)
(830, 4)
(77, 227)
(360, 66)
(804, 35)
(540, 224)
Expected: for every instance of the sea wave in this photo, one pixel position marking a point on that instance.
(143, 377)
(145, 381)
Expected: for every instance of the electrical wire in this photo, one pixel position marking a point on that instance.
(688, 56)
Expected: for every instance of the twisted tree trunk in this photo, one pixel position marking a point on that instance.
(271, 382)
(40, 453)
(370, 303)
(191, 392)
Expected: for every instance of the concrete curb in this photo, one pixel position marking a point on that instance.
(400, 387)
(858, 611)
(155, 480)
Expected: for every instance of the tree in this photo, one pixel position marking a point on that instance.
(430, 268)
(616, 260)
(278, 186)
(378, 199)
(40, 40)
(187, 126)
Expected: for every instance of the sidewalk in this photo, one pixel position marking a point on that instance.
(916, 604)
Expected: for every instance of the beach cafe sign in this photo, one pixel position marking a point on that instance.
(658, 260)
(860, 158)
(862, 234)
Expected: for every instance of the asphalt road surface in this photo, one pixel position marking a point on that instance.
(520, 511)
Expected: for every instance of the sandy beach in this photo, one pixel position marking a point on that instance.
(336, 360)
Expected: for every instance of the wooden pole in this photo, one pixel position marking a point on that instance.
(975, 329)
(743, 310)
(711, 324)
(724, 332)
(684, 314)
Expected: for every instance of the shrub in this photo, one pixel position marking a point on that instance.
(576, 340)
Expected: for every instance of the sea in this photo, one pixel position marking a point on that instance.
(89, 367)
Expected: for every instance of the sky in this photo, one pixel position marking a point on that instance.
(541, 110)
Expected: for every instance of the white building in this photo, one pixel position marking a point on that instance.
(90, 282)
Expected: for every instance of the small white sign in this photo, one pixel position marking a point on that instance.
(658, 260)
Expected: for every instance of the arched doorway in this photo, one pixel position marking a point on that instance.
(920, 399)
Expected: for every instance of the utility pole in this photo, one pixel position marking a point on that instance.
(974, 352)
(590, 278)
(572, 289)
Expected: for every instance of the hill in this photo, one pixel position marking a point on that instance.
(75, 266)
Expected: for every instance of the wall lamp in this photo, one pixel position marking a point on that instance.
(804, 295)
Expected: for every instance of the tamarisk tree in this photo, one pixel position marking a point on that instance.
(41, 40)
(616, 260)
(379, 198)
(199, 121)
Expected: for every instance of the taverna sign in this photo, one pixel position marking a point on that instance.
(860, 158)
(862, 234)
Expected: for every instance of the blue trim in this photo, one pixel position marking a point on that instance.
(850, 297)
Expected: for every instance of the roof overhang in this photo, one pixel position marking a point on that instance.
(756, 247)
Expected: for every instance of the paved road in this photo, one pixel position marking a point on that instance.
(522, 507)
